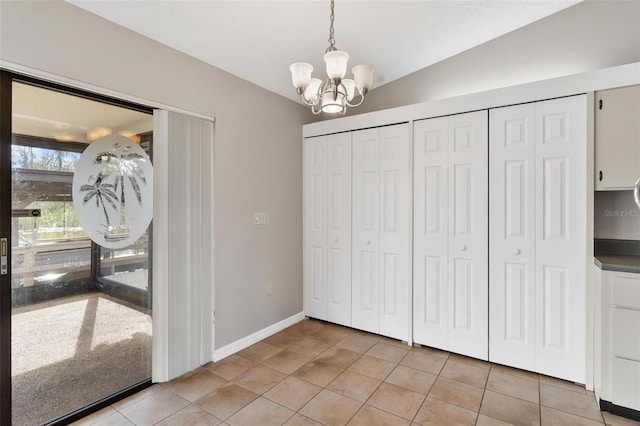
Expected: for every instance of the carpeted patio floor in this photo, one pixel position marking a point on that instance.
(72, 351)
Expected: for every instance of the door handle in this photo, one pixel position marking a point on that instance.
(636, 193)
(4, 257)
(368, 242)
(463, 248)
(516, 252)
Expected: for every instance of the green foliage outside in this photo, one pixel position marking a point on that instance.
(58, 218)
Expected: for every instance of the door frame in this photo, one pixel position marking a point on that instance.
(6, 80)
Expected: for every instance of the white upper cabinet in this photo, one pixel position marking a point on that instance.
(327, 228)
(617, 138)
(538, 212)
(381, 230)
(450, 291)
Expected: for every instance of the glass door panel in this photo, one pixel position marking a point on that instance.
(81, 314)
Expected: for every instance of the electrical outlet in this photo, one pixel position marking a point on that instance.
(269, 289)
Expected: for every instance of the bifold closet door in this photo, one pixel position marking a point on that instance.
(339, 228)
(512, 241)
(561, 229)
(450, 294)
(538, 237)
(431, 233)
(327, 228)
(315, 227)
(381, 230)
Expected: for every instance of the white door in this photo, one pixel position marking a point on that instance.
(512, 240)
(468, 234)
(395, 231)
(450, 240)
(431, 234)
(315, 226)
(339, 228)
(366, 230)
(561, 194)
(538, 237)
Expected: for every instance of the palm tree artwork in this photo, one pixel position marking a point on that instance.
(122, 167)
(113, 191)
(122, 163)
(103, 193)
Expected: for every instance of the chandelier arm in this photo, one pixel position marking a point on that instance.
(309, 103)
(313, 110)
(357, 104)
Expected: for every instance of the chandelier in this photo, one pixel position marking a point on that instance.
(335, 93)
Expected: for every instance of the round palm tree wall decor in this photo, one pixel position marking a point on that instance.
(113, 191)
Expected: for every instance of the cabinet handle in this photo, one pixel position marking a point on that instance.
(336, 241)
(600, 175)
(368, 242)
(516, 252)
(463, 248)
(636, 193)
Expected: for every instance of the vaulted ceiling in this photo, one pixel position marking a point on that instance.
(258, 40)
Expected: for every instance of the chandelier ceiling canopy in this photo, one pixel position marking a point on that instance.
(335, 93)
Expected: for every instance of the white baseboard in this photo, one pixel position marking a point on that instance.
(245, 342)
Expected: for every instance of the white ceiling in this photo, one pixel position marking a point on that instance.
(54, 115)
(258, 40)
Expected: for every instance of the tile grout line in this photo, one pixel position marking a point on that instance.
(282, 346)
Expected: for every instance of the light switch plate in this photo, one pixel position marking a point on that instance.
(260, 218)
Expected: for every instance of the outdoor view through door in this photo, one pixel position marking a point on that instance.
(81, 312)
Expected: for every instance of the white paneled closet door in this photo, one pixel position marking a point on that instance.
(431, 233)
(395, 231)
(327, 228)
(339, 228)
(512, 223)
(450, 238)
(366, 230)
(538, 241)
(315, 226)
(561, 203)
(468, 234)
(381, 231)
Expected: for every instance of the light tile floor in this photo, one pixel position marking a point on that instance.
(316, 373)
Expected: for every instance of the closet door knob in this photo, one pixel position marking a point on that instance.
(463, 248)
(368, 242)
(516, 252)
(336, 241)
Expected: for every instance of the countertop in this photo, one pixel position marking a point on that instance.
(618, 262)
(618, 255)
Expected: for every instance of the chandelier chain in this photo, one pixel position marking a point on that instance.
(332, 40)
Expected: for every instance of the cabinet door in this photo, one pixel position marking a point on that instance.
(395, 231)
(617, 138)
(366, 230)
(339, 228)
(468, 234)
(560, 200)
(626, 379)
(512, 241)
(431, 234)
(315, 226)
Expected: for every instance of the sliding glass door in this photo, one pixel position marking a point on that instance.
(78, 290)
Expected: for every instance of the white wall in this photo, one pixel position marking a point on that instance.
(258, 146)
(616, 215)
(588, 36)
